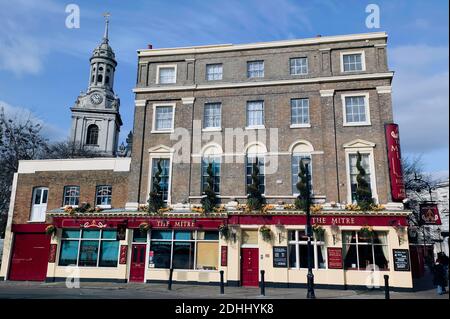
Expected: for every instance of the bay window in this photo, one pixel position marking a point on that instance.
(182, 249)
(362, 252)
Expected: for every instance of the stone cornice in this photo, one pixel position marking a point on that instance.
(337, 78)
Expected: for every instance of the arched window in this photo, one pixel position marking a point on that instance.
(100, 78)
(300, 150)
(211, 155)
(92, 135)
(256, 155)
(106, 79)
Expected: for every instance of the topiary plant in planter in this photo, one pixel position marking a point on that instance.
(255, 200)
(302, 187)
(209, 201)
(363, 191)
(155, 201)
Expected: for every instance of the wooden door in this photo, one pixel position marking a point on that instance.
(249, 267)
(30, 257)
(137, 268)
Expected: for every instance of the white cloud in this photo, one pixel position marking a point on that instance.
(20, 113)
(421, 96)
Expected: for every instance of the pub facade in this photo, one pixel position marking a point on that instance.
(327, 99)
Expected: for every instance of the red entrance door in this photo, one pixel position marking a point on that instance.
(137, 268)
(30, 257)
(249, 267)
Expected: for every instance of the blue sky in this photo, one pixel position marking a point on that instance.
(44, 65)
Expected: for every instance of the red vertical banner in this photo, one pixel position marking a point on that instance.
(395, 162)
(223, 256)
(123, 254)
(52, 254)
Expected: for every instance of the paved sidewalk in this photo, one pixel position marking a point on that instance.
(37, 290)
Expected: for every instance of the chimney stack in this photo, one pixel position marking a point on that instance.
(149, 46)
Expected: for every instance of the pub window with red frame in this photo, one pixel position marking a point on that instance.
(365, 252)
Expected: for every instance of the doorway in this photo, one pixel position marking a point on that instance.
(137, 268)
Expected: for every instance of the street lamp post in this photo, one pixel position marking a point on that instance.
(418, 179)
(310, 277)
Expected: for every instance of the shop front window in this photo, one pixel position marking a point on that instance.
(89, 248)
(362, 252)
(184, 249)
(298, 251)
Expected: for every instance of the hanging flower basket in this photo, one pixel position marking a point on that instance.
(266, 233)
(319, 231)
(144, 227)
(224, 231)
(366, 232)
(50, 230)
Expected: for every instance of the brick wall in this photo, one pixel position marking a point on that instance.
(55, 181)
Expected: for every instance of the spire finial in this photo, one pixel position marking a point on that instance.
(106, 15)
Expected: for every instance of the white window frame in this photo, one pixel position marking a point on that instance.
(357, 244)
(373, 177)
(32, 217)
(155, 106)
(363, 60)
(96, 195)
(298, 58)
(163, 66)
(212, 128)
(213, 65)
(314, 244)
(263, 69)
(155, 155)
(367, 109)
(302, 125)
(195, 240)
(259, 126)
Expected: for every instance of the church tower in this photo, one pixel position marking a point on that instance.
(96, 119)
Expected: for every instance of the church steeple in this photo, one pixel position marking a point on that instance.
(103, 63)
(95, 116)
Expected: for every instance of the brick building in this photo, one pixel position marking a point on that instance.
(273, 104)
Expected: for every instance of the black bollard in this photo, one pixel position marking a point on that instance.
(222, 287)
(170, 279)
(263, 284)
(386, 287)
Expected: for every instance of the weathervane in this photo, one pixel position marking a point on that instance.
(106, 15)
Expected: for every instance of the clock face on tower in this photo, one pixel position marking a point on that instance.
(96, 98)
